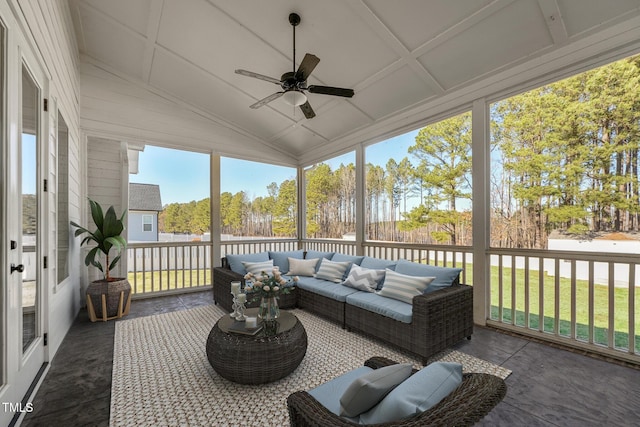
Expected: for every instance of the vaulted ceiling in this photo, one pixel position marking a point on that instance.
(399, 56)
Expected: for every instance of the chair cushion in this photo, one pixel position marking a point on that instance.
(363, 279)
(388, 307)
(329, 393)
(302, 267)
(256, 268)
(369, 389)
(444, 276)
(418, 393)
(327, 289)
(332, 271)
(281, 258)
(403, 287)
(235, 261)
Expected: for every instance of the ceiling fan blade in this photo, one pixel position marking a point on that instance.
(258, 76)
(306, 67)
(266, 100)
(307, 110)
(328, 90)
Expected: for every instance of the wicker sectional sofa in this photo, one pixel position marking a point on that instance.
(435, 321)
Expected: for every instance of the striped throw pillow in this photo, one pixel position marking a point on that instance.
(331, 270)
(364, 279)
(258, 267)
(402, 287)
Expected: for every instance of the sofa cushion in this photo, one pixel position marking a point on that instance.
(369, 389)
(318, 254)
(329, 393)
(281, 258)
(363, 279)
(235, 261)
(444, 276)
(388, 307)
(256, 268)
(302, 267)
(378, 263)
(418, 393)
(403, 287)
(338, 257)
(332, 271)
(325, 288)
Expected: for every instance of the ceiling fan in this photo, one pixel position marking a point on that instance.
(294, 83)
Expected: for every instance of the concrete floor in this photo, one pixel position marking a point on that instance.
(548, 387)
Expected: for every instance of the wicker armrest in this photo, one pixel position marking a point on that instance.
(377, 362)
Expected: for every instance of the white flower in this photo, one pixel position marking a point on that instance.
(248, 276)
(266, 288)
(282, 281)
(276, 289)
(296, 278)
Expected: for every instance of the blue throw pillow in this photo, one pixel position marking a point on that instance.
(444, 276)
(318, 254)
(420, 392)
(235, 261)
(281, 258)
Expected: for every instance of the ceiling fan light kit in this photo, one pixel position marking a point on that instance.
(294, 83)
(294, 97)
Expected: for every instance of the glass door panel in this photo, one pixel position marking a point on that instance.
(29, 208)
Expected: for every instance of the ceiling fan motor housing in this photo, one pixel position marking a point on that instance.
(294, 19)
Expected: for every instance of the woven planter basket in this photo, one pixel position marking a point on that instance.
(118, 298)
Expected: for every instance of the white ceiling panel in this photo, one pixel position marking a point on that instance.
(132, 14)
(329, 29)
(337, 120)
(396, 91)
(298, 140)
(514, 32)
(403, 59)
(418, 21)
(112, 44)
(586, 14)
(210, 94)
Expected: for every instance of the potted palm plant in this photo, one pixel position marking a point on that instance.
(110, 297)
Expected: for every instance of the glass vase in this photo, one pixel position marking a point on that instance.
(269, 309)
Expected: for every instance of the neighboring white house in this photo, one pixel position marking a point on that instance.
(144, 205)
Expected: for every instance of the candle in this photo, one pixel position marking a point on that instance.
(252, 322)
(235, 288)
(241, 298)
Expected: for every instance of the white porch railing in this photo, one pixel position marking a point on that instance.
(168, 267)
(585, 300)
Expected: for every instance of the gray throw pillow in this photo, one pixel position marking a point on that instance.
(366, 391)
(417, 394)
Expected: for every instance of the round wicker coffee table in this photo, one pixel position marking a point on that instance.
(256, 359)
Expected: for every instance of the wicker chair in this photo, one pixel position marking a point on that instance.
(469, 403)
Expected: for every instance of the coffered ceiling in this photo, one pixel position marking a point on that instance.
(398, 56)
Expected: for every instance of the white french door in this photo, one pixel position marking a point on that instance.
(23, 246)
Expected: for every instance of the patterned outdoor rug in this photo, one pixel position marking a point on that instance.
(161, 375)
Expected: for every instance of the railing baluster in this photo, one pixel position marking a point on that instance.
(612, 303)
(632, 308)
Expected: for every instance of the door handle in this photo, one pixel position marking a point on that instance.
(19, 268)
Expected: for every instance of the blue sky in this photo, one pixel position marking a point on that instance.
(183, 176)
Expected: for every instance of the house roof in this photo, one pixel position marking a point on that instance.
(144, 197)
(407, 64)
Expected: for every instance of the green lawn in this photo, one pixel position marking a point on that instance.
(548, 288)
(168, 280)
